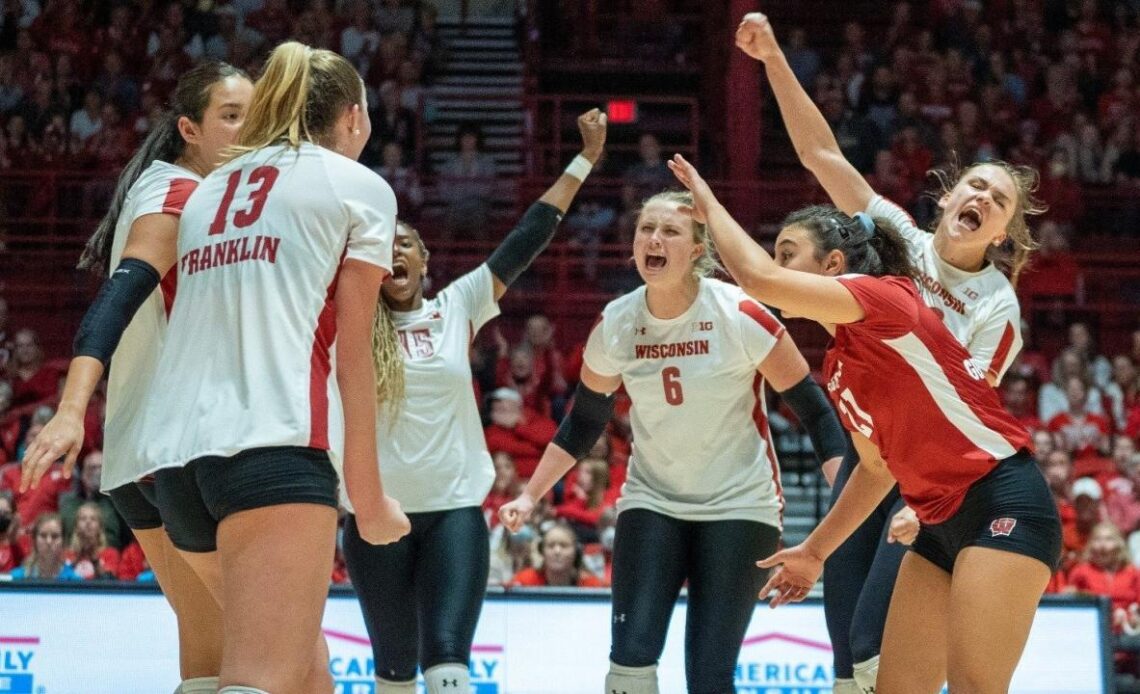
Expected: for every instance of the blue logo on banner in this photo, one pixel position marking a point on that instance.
(786, 674)
(16, 654)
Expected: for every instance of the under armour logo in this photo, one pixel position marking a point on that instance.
(619, 618)
(614, 691)
(639, 331)
(450, 683)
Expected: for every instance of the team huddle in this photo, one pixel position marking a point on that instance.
(259, 299)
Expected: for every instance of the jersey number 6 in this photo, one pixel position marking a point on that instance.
(671, 379)
(263, 177)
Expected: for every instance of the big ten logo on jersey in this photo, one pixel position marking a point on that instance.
(251, 194)
(702, 326)
(777, 663)
(17, 657)
(416, 343)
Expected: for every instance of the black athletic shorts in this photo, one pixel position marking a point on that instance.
(1009, 509)
(194, 499)
(137, 503)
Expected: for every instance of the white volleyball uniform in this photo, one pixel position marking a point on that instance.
(701, 446)
(161, 189)
(249, 358)
(433, 456)
(980, 308)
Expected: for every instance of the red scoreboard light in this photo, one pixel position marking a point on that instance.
(621, 111)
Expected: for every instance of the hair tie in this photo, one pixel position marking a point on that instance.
(866, 222)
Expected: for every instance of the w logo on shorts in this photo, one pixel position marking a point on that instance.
(1002, 526)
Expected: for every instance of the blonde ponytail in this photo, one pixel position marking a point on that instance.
(388, 360)
(298, 98)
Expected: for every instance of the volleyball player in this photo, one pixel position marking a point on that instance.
(141, 228)
(920, 410)
(421, 596)
(703, 492)
(281, 251)
(959, 277)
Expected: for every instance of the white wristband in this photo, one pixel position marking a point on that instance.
(579, 168)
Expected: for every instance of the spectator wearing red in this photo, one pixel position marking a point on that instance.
(587, 498)
(133, 564)
(1088, 511)
(518, 430)
(1107, 570)
(561, 562)
(44, 497)
(1053, 272)
(88, 552)
(10, 424)
(1030, 362)
(33, 380)
(1057, 468)
(504, 489)
(1122, 394)
(520, 372)
(11, 553)
(1122, 491)
(1083, 432)
(113, 145)
(1017, 397)
(889, 179)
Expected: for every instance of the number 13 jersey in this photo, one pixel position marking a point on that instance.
(701, 446)
(248, 359)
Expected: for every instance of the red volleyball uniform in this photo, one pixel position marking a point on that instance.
(901, 379)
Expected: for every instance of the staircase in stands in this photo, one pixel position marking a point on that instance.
(481, 82)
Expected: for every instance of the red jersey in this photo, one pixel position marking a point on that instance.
(901, 379)
(535, 577)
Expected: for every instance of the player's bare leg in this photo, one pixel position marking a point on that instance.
(913, 659)
(993, 599)
(272, 557)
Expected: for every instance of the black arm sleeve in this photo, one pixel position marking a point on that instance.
(809, 403)
(114, 307)
(584, 424)
(529, 238)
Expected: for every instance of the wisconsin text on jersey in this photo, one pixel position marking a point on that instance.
(672, 349)
(230, 252)
(936, 288)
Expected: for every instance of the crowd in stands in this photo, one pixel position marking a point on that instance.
(1047, 83)
(81, 81)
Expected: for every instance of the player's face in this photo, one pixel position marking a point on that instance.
(976, 212)
(229, 101)
(796, 250)
(405, 283)
(663, 245)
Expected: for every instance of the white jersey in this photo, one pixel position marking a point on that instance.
(249, 357)
(980, 308)
(433, 456)
(701, 446)
(161, 189)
